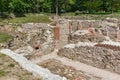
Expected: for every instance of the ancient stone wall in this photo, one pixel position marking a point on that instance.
(107, 27)
(96, 56)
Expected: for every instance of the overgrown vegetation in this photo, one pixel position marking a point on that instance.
(4, 37)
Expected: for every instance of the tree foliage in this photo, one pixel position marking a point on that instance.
(35, 6)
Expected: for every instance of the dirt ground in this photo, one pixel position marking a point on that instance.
(70, 73)
(10, 70)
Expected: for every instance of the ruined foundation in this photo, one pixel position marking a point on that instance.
(96, 56)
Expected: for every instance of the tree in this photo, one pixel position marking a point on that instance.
(114, 4)
(92, 5)
(36, 6)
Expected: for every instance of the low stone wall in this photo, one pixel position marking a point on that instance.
(96, 56)
(116, 48)
(87, 38)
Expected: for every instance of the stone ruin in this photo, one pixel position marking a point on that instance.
(100, 57)
(108, 27)
(80, 36)
(85, 40)
(30, 38)
(40, 38)
(105, 56)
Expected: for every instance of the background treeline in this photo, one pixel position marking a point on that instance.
(36, 6)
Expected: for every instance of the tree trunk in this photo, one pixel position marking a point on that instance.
(57, 8)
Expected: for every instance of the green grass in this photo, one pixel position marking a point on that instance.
(68, 14)
(34, 18)
(95, 16)
(4, 37)
(2, 73)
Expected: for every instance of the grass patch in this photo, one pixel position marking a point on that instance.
(34, 18)
(11, 65)
(2, 55)
(94, 16)
(68, 14)
(2, 73)
(4, 37)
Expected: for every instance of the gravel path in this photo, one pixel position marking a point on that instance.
(105, 75)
